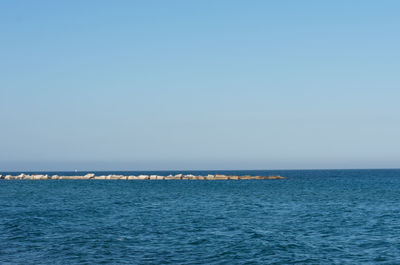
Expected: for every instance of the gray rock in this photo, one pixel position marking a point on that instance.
(178, 176)
(143, 177)
(21, 176)
(89, 176)
(153, 177)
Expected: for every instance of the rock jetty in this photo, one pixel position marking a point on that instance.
(138, 177)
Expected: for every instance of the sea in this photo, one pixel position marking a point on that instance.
(312, 217)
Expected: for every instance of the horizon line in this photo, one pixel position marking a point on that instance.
(300, 169)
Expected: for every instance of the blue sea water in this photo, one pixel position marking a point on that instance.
(313, 217)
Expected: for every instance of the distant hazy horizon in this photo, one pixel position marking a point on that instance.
(166, 166)
(151, 85)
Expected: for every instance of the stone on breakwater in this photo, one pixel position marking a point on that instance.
(209, 177)
(35, 177)
(169, 177)
(276, 177)
(190, 176)
(220, 177)
(89, 176)
(116, 177)
(70, 177)
(18, 177)
(143, 177)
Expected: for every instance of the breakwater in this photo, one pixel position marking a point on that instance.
(138, 177)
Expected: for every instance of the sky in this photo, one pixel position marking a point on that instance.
(152, 85)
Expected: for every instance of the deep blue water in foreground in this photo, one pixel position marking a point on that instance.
(313, 217)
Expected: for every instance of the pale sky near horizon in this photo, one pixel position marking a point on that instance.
(142, 85)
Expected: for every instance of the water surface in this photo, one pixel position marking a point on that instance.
(313, 217)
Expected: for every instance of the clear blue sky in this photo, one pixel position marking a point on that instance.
(199, 84)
